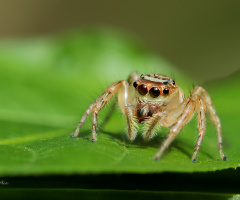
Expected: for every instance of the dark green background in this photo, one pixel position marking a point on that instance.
(201, 37)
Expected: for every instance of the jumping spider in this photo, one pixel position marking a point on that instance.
(152, 100)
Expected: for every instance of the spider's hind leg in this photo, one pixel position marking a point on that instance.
(213, 116)
(201, 108)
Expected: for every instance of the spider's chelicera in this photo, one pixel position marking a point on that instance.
(155, 100)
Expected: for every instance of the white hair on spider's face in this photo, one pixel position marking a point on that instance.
(157, 78)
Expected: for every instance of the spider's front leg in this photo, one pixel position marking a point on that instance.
(134, 76)
(95, 107)
(186, 114)
(126, 105)
(199, 99)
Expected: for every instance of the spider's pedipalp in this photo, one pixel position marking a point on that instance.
(132, 125)
(150, 125)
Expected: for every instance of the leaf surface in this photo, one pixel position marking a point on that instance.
(47, 84)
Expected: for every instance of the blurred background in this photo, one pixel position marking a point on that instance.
(57, 56)
(200, 37)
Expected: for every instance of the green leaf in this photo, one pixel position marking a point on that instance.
(46, 84)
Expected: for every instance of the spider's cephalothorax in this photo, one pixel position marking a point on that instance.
(156, 100)
(155, 93)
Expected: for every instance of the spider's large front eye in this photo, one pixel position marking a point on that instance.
(142, 89)
(154, 92)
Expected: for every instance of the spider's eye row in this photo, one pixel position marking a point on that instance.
(135, 84)
(165, 83)
(173, 82)
(165, 91)
(154, 92)
(142, 89)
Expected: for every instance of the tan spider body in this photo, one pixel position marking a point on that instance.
(156, 100)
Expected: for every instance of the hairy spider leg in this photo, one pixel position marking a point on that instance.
(109, 113)
(213, 116)
(201, 109)
(95, 107)
(133, 76)
(184, 118)
(150, 125)
(125, 103)
(132, 124)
